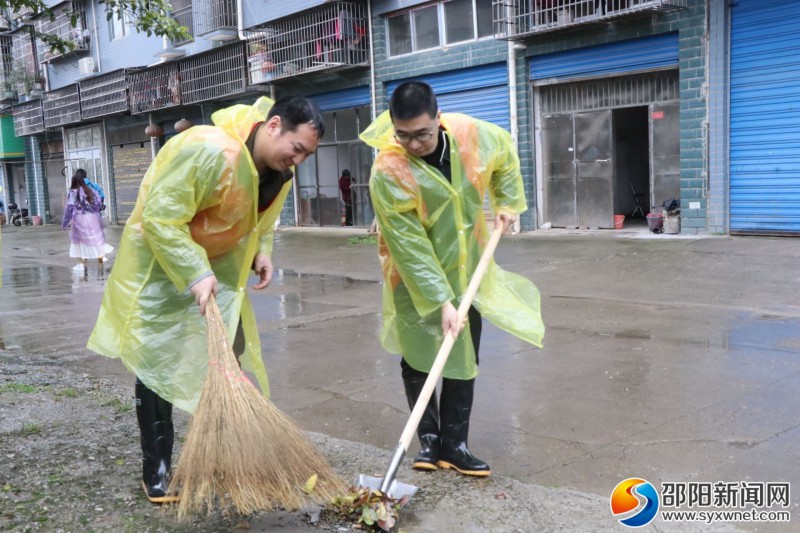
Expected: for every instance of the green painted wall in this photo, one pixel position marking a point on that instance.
(10, 145)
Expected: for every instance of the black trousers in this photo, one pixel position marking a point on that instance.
(475, 327)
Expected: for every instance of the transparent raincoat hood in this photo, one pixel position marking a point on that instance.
(196, 213)
(432, 233)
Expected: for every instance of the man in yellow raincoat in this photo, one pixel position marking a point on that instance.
(203, 221)
(428, 184)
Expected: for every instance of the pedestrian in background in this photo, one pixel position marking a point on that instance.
(94, 186)
(87, 240)
(427, 185)
(345, 184)
(98, 190)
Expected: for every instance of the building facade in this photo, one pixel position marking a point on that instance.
(617, 107)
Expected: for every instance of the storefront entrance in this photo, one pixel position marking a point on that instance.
(608, 147)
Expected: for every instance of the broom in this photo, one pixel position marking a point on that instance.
(242, 450)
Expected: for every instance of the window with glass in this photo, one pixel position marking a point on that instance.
(117, 24)
(444, 23)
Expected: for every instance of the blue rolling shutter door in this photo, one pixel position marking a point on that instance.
(619, 58)
(765, 116)
(481, 92)
(342, 99)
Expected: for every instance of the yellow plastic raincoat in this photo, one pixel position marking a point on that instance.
(433, 233)
(196, 213)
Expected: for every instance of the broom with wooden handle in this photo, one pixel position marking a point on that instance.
(242, 450)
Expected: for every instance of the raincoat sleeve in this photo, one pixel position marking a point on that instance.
(188, 175)
(506, 192)
(409, 245)
(69, 210)
(265, 241)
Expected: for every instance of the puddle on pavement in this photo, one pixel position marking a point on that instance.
(270, 307)
(285, 306)
(35, 281)
(320, 282)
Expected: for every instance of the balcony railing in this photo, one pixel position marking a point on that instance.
(155, 88)
(213, 75)
(28, 118)
(217, 19)
(62, 27)
(185, 18)
(61, 106)
(24, 66)
(6, 67)
(328, 38)
(106, 94)
(522, 18)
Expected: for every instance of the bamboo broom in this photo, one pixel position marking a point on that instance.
(242, 450)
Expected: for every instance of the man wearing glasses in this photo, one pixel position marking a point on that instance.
(427, 186)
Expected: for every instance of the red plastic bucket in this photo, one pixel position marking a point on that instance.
(619, 221)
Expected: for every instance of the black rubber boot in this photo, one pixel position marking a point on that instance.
(157, 435)
(428, 429)
(456, 407)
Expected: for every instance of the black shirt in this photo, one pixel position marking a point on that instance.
(270, 182)
(440, 158)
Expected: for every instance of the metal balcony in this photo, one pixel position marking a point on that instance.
(8, 91)
(62, 27)
(216, 19)
(5, 22)
(24, 71)
(155, 88)
(184, 17)
(516, 19)
(106, 94)
(22, 12)
(61, 106)
(213, 75)
(322, 39)
(28, 118)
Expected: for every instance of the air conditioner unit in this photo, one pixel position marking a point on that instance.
(86, 66)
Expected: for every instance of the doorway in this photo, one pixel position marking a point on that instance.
(607, 146)
(632, 162)
(320, 199)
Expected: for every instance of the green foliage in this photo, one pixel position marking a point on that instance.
(21, 75)
(17, 387)
(147, 16)
(363, 239)
(29, 428)
(118, 406)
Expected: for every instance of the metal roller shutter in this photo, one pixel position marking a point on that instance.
(765, 117)
(623, 57)
(342, 99)
(131, 161)
(481, 92)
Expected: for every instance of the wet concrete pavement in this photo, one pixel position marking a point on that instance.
(666, 358)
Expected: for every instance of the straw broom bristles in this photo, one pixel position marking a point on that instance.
(243, 450)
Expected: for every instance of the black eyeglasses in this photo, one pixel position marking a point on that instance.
(405, 138)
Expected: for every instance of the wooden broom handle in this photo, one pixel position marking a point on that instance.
(449, 340)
